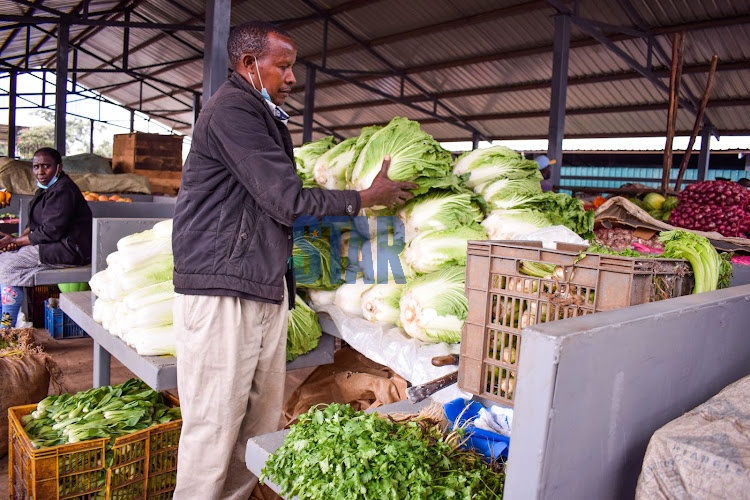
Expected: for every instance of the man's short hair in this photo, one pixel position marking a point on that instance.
(251, 37)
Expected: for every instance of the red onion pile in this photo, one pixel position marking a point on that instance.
(720, 206)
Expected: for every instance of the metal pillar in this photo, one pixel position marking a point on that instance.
(705, 154)
(126, 42)
(196, 107)
(561, 50)
(13, 90)
(307, 115)
(215, 58)
(61, 85)
(474, 141)
(132, 120)
(91, 135)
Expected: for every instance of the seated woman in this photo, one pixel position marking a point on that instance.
(58, 233)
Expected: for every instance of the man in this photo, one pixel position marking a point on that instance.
(232, 240)
(546, 170)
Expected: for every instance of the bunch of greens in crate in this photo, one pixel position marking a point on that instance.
(339, 453)
(101, 412)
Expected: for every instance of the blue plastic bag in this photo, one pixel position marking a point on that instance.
(489, 444)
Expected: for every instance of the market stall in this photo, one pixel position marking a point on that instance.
(158, 371)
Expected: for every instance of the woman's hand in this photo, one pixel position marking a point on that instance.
(7, 242)
(384, 191)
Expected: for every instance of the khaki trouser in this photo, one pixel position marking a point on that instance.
(231, 365)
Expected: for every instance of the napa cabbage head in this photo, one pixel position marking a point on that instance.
(306, 156)
(563, 209)
(434, 249)
(508, 193)
(380, 303)
(433, 307)
(415, 156)
(438, 209)
(513, 224)
(349, 297)
(333, 166)
(303, 331)
(487, 164)
(312, 262)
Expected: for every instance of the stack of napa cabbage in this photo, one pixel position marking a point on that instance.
(490, 193)
(510, 184)
(135, 292)
(135, 295)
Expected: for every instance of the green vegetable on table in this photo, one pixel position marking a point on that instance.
(101, 412)
(339, 453)
(705, 260)
(304, 331)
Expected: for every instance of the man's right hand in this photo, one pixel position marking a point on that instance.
(384, 191)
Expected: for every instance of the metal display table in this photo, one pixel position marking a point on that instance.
(159, 372)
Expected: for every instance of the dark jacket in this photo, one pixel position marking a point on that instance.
(60, 223)
(239, 197)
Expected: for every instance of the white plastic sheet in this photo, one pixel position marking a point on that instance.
(390, 346)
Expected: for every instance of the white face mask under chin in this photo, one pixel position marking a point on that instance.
(263, 90)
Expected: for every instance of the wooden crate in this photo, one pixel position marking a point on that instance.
(156, 156)
(143, 151)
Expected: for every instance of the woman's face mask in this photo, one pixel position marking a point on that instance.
(46, 170)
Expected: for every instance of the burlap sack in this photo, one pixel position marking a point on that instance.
(703, 454)
(25, 373)
(352, 379)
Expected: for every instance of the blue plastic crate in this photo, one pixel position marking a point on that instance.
(59, 325)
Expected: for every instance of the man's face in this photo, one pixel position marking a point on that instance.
(276, 68)
(44, 168)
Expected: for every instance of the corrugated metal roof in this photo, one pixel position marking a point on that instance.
(482, 65)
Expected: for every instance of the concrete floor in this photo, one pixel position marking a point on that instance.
(75, 358)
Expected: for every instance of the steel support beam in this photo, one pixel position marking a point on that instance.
(126, 42)
(474, 141)
(13, 90)
(560, 55)
(132, 121)
(307, 117)
(705, 155)
(91, 135)
(215, 57)
(196, 107)
(61, 86)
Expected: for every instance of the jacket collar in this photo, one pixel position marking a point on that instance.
(276, 111)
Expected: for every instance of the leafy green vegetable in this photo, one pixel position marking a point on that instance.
(380, 303)
(415, 156)
(312, 263)
(337, 453)
(434, 249)
(304, 331)
(627, 252)
(513, 224)
(703, 257)
(439, 209)
(725, 271)
(562, 209)
(109, 411)
(335, 165)
(509, 193)
(496, 162)
(306, 156)
(434, 306)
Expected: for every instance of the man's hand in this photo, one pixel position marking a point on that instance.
(385, 192)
